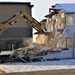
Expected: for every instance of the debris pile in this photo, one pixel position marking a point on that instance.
(46, 42)
(28, 53)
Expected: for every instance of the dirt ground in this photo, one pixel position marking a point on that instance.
(1, 71)
(52, 72)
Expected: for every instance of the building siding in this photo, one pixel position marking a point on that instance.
(23, 32)
(20, 31)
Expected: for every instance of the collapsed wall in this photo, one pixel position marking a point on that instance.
(50, 39)
(44, 39)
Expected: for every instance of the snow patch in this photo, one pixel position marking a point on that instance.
(38, 66)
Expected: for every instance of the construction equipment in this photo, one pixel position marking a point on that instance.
(51, 40)
(21, 15)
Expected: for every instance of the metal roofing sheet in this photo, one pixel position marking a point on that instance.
(66, 6)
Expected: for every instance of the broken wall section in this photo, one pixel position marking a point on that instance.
(52, 36)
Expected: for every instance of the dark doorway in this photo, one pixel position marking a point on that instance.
(14, 45)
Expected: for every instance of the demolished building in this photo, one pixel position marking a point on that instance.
(59, 38)
(60, 31)
(60, 21)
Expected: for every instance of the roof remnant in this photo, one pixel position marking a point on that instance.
(51, 14)
(29, 3)
(68, 7)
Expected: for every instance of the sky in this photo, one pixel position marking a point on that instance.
(41, 7)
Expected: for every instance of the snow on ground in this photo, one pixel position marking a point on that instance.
(6, 52)
(41, 66)
(38, 66)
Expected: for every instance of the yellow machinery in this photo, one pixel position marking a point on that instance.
(21, 15)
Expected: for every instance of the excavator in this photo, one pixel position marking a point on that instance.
(23, 15)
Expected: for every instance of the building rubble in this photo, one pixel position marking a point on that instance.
(51, 41)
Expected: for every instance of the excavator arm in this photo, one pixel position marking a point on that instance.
(22, 15)
(5, 25)
(33, 23)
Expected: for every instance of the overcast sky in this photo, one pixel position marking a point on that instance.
(41, 7)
